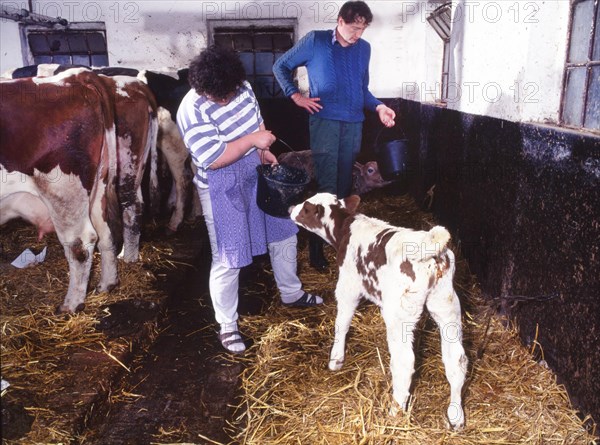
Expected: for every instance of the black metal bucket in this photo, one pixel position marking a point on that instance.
(279, 187)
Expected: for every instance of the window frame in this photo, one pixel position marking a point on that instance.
(26, 30)
(216, 26)
(436, 21)
(588, 65)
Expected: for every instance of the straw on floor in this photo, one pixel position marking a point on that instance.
(290, 397)
(40, 349)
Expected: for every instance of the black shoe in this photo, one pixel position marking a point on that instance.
(315, 253)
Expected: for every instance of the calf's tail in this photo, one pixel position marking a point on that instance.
(436, 240)
(428, 246)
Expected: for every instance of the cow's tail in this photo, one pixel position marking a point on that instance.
(430, 245)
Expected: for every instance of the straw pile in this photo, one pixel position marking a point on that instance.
(58, 364)
(290, 397)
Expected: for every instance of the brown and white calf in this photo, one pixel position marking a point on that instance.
(402, 271)
(365, 177)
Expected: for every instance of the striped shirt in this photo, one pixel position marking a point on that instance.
(207, 127)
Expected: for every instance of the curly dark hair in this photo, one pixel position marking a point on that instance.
(216, 72)
(351, 12)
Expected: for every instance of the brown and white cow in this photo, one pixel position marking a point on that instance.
(365, 177)
(400, 270)
(58, 151)
(168, 91)
(136, 130)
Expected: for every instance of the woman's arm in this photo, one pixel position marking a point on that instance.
(235, 150)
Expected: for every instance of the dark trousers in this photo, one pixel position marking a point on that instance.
(335, 146)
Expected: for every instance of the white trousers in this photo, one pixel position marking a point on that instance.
(223, 282)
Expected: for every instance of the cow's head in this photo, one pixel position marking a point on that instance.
(324, 214)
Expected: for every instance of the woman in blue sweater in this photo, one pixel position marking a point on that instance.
(337, 62)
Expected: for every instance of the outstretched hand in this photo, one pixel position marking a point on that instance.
(310, 104)
(386, 115)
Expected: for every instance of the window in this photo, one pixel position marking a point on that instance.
(80, 44)
(581, 94)
(259, 48)
(440, 20)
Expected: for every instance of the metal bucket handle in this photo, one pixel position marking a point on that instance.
(287, 145)
(402, 134)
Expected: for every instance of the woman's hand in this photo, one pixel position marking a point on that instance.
(310, 104)
(266, 157)
(263, 139)
(386, 115)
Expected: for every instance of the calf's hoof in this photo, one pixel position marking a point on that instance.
(66, 309)
(106, 287)
(397, 408)
(394, 410)
(336, 365)
(169, 231)
(456, 417)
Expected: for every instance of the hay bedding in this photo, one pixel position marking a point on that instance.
(58, 366)
(290, 397)
(288, 394)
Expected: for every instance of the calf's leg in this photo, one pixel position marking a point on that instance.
(400, 322)
(444, 307)
(347, 301)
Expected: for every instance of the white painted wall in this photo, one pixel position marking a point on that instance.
(10, 49)
(508, 58)
(508, 55)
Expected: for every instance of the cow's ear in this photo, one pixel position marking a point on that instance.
(351, 203)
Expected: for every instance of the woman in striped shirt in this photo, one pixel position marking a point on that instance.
(222, 127)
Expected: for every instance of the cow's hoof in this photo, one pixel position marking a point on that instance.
(336, 365)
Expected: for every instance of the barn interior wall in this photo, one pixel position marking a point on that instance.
(505, 55)
(523, 204)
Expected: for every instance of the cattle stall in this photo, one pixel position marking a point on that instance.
(499, 105)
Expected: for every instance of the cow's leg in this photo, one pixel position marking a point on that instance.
(176, 154)
(132, 225)
(196, 206)
(347, 300)
(444, 307)
(130, 197)
(106, 243)
(154, 190)
(68, 205)
(400, 321)
(78, 241)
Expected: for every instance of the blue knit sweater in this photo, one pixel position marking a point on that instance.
(338, 75)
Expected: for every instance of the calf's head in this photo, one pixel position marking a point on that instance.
(324, 214)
